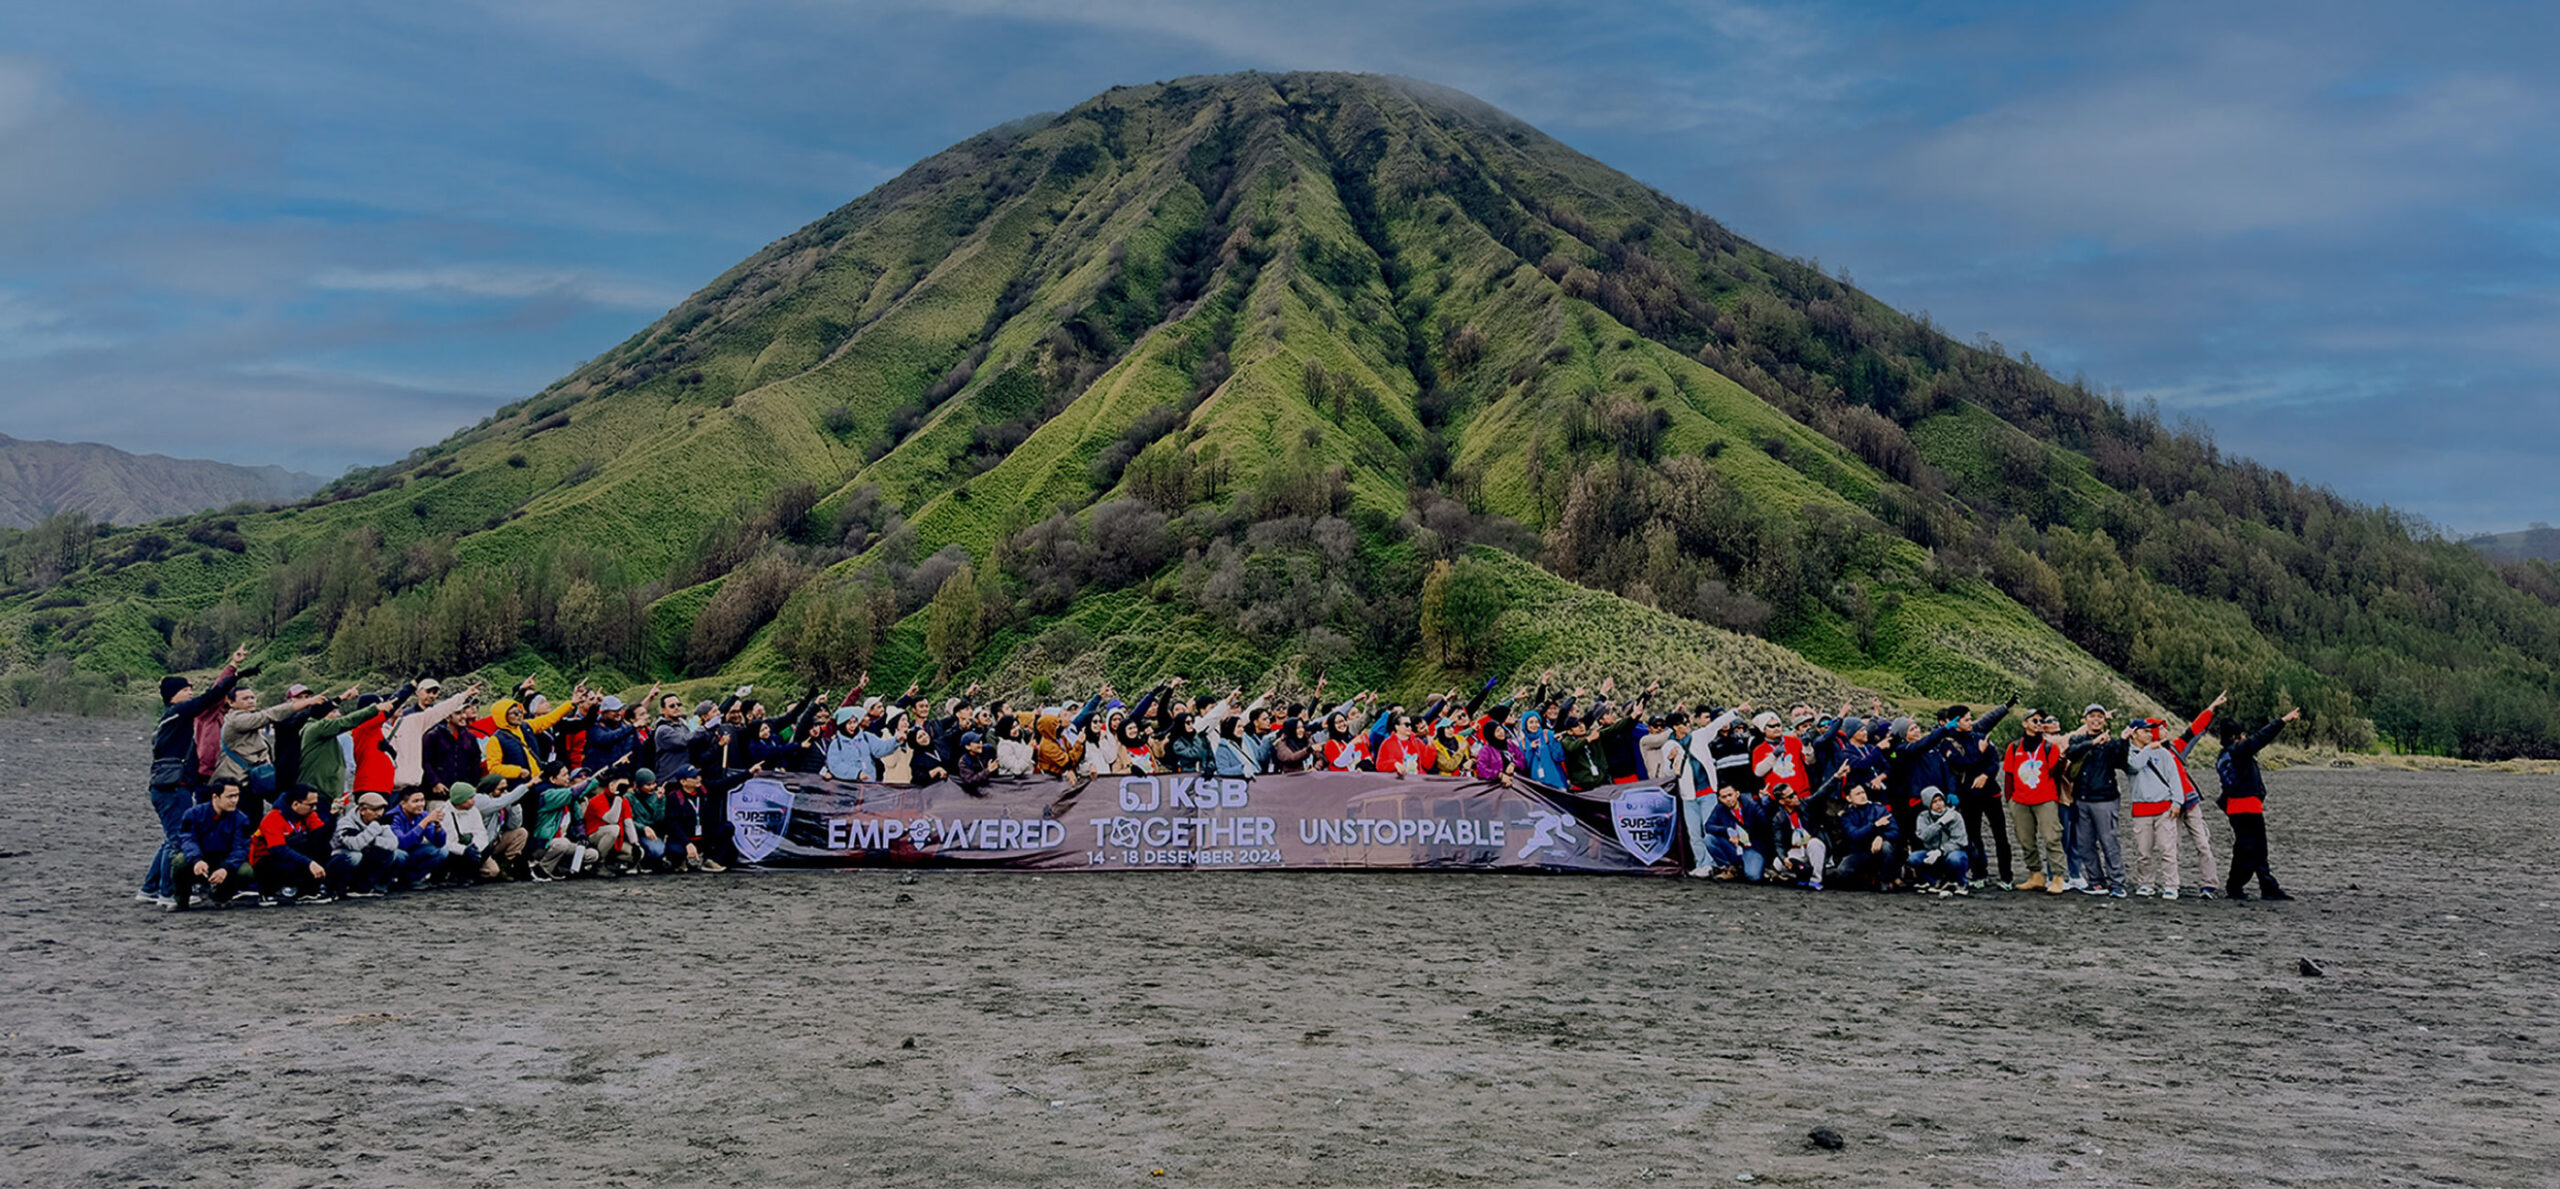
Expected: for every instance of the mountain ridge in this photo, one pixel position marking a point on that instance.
(41, 478)
(1216, 374)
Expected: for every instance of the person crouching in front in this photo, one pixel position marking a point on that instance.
(290, 852)
(1732, 830)
(418, 828)
(1940, 851)
(213, 849)
(1868, 833)
(611, 831)
(362, 849)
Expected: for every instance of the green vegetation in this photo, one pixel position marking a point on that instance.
(1262, 377)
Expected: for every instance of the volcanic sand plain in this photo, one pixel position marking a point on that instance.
(843, 1027)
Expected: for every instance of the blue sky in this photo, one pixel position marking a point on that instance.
(320, 234)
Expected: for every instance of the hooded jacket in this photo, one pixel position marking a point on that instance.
(1939, 832)
(1054, 756)
(374, 768)
(508, 752)
(354, 835)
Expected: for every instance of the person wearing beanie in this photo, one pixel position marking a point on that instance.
(362, 848)
(1939, 856)
(476, 841)
(649, 815)
(174, 770)
(289, 854)
(213, 849)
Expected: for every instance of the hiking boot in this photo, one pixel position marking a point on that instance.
(2034, 883)
(2057, 887)
(2274, 894)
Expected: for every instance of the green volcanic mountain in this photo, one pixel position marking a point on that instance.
(1255, 376)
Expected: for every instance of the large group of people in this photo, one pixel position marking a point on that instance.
(357, 794)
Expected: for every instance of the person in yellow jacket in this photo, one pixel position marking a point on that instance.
(507, 753)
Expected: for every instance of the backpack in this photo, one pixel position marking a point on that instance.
(2227, 772)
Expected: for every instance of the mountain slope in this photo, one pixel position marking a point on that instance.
(1213, 376)
(41, 479)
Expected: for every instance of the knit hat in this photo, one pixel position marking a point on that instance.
(1805, 714)
(645, 776)
(171, 684)
(1896, 728)
(844, 714)
(1851, 726)
(460, 793)
(1767, 720)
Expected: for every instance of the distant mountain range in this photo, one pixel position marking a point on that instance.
(39, 479)
(2538, 543)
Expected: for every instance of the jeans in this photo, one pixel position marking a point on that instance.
(1722, 853)
(1941, 865)
(366, 872)
(2071, 841)
(171, 802)
(415, 864)
(1693, 819)
(2101, 855)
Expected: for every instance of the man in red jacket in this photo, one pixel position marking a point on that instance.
(2035, 818)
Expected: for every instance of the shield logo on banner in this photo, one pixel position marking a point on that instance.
(758, 811)
(1643, 819)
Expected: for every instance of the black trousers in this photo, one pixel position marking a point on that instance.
(184, 883)
(2249, 854)
(1983, 813)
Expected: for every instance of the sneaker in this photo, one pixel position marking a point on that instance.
(365, 894)
(1815, 885)
(2118, 893)
(1942, 893)
(2207, 894)
(2235, 895)
(148, 897)
(317, 898)
(1701, 871)
(2091, 889)
(260, 901)
(2146, 890)
(2079, 883)
(2275, 895)
(540, 875)
(2171, 894)
(1962, 890)
(712, 867)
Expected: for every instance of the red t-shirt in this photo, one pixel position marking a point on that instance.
(1788, 772)
(2031, 771)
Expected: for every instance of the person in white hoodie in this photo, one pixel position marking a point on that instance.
(2152, 788)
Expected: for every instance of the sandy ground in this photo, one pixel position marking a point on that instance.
(835, 1028)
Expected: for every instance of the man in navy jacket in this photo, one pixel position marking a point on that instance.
(213, 849)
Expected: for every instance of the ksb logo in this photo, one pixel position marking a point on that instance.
(1146, 794)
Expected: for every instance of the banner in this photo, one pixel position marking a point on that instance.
(1293, 821)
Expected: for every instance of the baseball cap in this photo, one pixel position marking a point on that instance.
(296, 690)
(2094, 708)
(430, 685)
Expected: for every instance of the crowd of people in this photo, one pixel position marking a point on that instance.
(358, 794)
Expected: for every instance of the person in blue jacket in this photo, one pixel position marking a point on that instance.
(419, 830)
(176, 746)
(1735, 831)
(1868, 855)
(213, 849)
